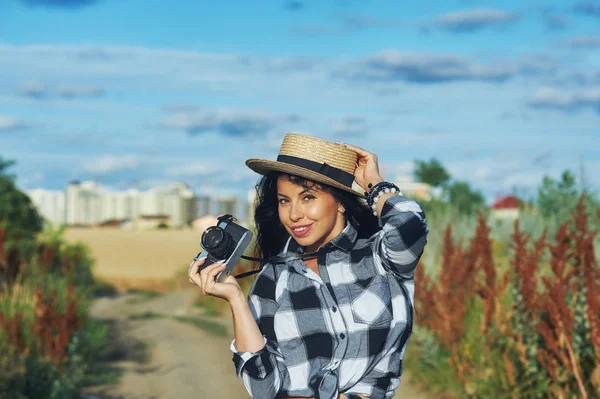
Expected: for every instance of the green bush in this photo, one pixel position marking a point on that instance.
(61, 271)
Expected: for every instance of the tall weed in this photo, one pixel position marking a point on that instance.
(48, 346)
(524, 331)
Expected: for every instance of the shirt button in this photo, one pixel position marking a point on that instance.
(342, 335)
(334, 309)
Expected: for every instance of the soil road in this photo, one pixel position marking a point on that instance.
(162, 357)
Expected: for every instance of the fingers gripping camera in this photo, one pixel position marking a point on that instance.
(227, 240)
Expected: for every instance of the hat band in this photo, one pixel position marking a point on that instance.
(327, 170)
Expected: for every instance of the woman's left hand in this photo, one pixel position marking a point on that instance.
(367, 170)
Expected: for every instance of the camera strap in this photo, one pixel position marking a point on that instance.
(277, 259)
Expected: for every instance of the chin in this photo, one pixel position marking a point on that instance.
(306, 242)
(303, 241)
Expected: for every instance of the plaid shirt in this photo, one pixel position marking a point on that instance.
(345, 330)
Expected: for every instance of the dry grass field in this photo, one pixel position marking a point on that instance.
(139, 259)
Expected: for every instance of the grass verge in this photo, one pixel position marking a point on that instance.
(212, 327)
(142, 296)
(146, 316)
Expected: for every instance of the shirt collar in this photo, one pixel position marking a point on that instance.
(344, 241)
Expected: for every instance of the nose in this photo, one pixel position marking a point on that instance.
(296, 212)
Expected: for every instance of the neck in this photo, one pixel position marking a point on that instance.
(338, 228)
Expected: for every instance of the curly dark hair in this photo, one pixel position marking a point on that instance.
(271, 235)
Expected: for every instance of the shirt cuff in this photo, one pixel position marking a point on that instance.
(257, 364)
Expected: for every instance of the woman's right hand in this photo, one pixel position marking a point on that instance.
(228, 289)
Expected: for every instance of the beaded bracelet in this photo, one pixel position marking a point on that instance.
(377, 190)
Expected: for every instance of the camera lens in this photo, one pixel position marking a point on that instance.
(217, 242)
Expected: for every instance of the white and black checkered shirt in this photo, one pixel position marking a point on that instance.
(345, 330)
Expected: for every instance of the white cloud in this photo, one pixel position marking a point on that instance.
(396, 170)
(553, 98)
(33, 89)
(584, 42)
(425, 68)
(9, 123)
(79, 91)
(232, 122)
(483, 172)
(350, 127)
(31, 179)
(112, 163)
(132, 67)
(125, 65)
(472, 20)
(195, 168)
(38, 90)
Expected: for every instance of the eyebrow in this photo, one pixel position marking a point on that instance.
(300, 193)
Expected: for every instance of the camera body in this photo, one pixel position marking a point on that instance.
(227, 240)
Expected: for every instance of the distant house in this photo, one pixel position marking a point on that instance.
(506, 208)
(151, 222)
(414, 189)
(113, 223)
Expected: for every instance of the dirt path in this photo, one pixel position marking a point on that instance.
(162, 357)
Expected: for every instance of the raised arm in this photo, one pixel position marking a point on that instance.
(403, 237)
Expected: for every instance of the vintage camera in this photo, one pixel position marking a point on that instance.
(227, 240)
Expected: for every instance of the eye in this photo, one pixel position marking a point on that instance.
(309, 197)
(281, 201)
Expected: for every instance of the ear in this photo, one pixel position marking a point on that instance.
(341, 208)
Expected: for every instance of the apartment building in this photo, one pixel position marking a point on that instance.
(227, 205)
(202, 206)
(50, 204)
(89, 204)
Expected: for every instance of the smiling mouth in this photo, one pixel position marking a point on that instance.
(301, 231)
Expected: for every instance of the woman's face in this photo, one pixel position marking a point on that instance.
(312, 216)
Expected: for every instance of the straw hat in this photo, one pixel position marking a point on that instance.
(314, 159)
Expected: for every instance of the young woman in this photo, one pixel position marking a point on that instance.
(335, 324)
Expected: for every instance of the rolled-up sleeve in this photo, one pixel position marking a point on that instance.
(263, 371)
(400, 243)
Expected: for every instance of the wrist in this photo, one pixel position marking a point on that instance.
(374, 181)
(238, 300)
(378, 193)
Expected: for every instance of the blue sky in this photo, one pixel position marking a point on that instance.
(143, 93)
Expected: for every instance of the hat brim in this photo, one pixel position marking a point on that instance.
(264, 166)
